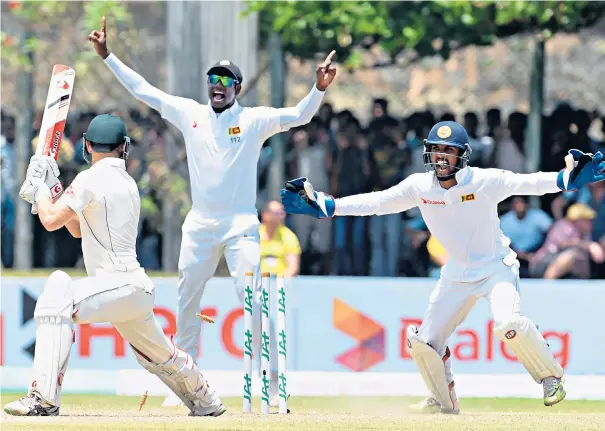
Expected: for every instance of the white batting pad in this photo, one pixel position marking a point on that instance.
(183, 378)
(431, 368)
(524, 339)
(54, 337)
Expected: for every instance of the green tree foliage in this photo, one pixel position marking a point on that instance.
(59, 28)
(58, 34)
(427, 28)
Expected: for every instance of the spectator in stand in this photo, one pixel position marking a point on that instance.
(351, 175)
(569, 249)
(509, 152)
(480, 153)
(279, 247)
(326, 114)
(390, 160)
(601, 145)
(526, 228)
(8, 178)
(448, 116)
(313, 160)
(380, 114)
(598, 225)
(582, 139)
(597, 191)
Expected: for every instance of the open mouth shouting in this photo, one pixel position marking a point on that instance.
(218, 96)
(442, 168)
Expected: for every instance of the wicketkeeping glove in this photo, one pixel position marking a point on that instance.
(581, 169)
(299, 197)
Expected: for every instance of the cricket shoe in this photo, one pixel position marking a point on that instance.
(427, 406)
(554, 392)
(31, 405)
(431, 406)
(209, 404)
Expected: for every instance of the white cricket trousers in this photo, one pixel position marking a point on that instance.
(451, 301)
(128, 307)
(204, 242)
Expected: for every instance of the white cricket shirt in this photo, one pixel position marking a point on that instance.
(222, 150)
(463, 218)
(107, 202)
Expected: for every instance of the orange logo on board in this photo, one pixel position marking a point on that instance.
(370, 337)
(234, 131)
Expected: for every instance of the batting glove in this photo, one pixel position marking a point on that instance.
(33, 189)
(45, 167)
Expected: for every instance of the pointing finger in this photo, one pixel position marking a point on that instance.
(103, 25)
(328, 59)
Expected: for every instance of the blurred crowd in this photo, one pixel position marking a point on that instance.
(562, 236)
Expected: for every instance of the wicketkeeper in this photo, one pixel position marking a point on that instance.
(102, 207)
(459, 205)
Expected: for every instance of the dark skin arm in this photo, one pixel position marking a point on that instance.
(99, 40)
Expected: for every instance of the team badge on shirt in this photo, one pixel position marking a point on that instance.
(70, 192)
(467, 198)
(234, 131)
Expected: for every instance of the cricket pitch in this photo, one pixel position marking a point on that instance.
(121, 413)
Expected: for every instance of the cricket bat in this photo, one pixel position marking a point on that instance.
(55, 115)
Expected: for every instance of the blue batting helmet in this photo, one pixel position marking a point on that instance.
(447, 133)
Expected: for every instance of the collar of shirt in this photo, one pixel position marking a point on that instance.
(233, 111)
(463, 176)
(111, 161)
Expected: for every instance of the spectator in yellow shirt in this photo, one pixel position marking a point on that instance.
(279, 246)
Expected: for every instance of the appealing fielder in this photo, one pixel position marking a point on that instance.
(459, 205)
(223, 143)
(102, 207)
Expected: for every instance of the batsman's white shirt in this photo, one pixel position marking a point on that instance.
(463, 218)
(107, 202)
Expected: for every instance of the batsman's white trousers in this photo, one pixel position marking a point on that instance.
(126, 301)
(451, 301)
(204, 241)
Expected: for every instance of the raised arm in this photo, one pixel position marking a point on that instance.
(169, 106)
(136, 84)
(304, 111)
(275, 120)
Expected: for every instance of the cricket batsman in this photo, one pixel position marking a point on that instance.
(102, 207)
(223, 142)
(459, 205)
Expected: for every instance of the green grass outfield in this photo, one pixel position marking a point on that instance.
(96, 412)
